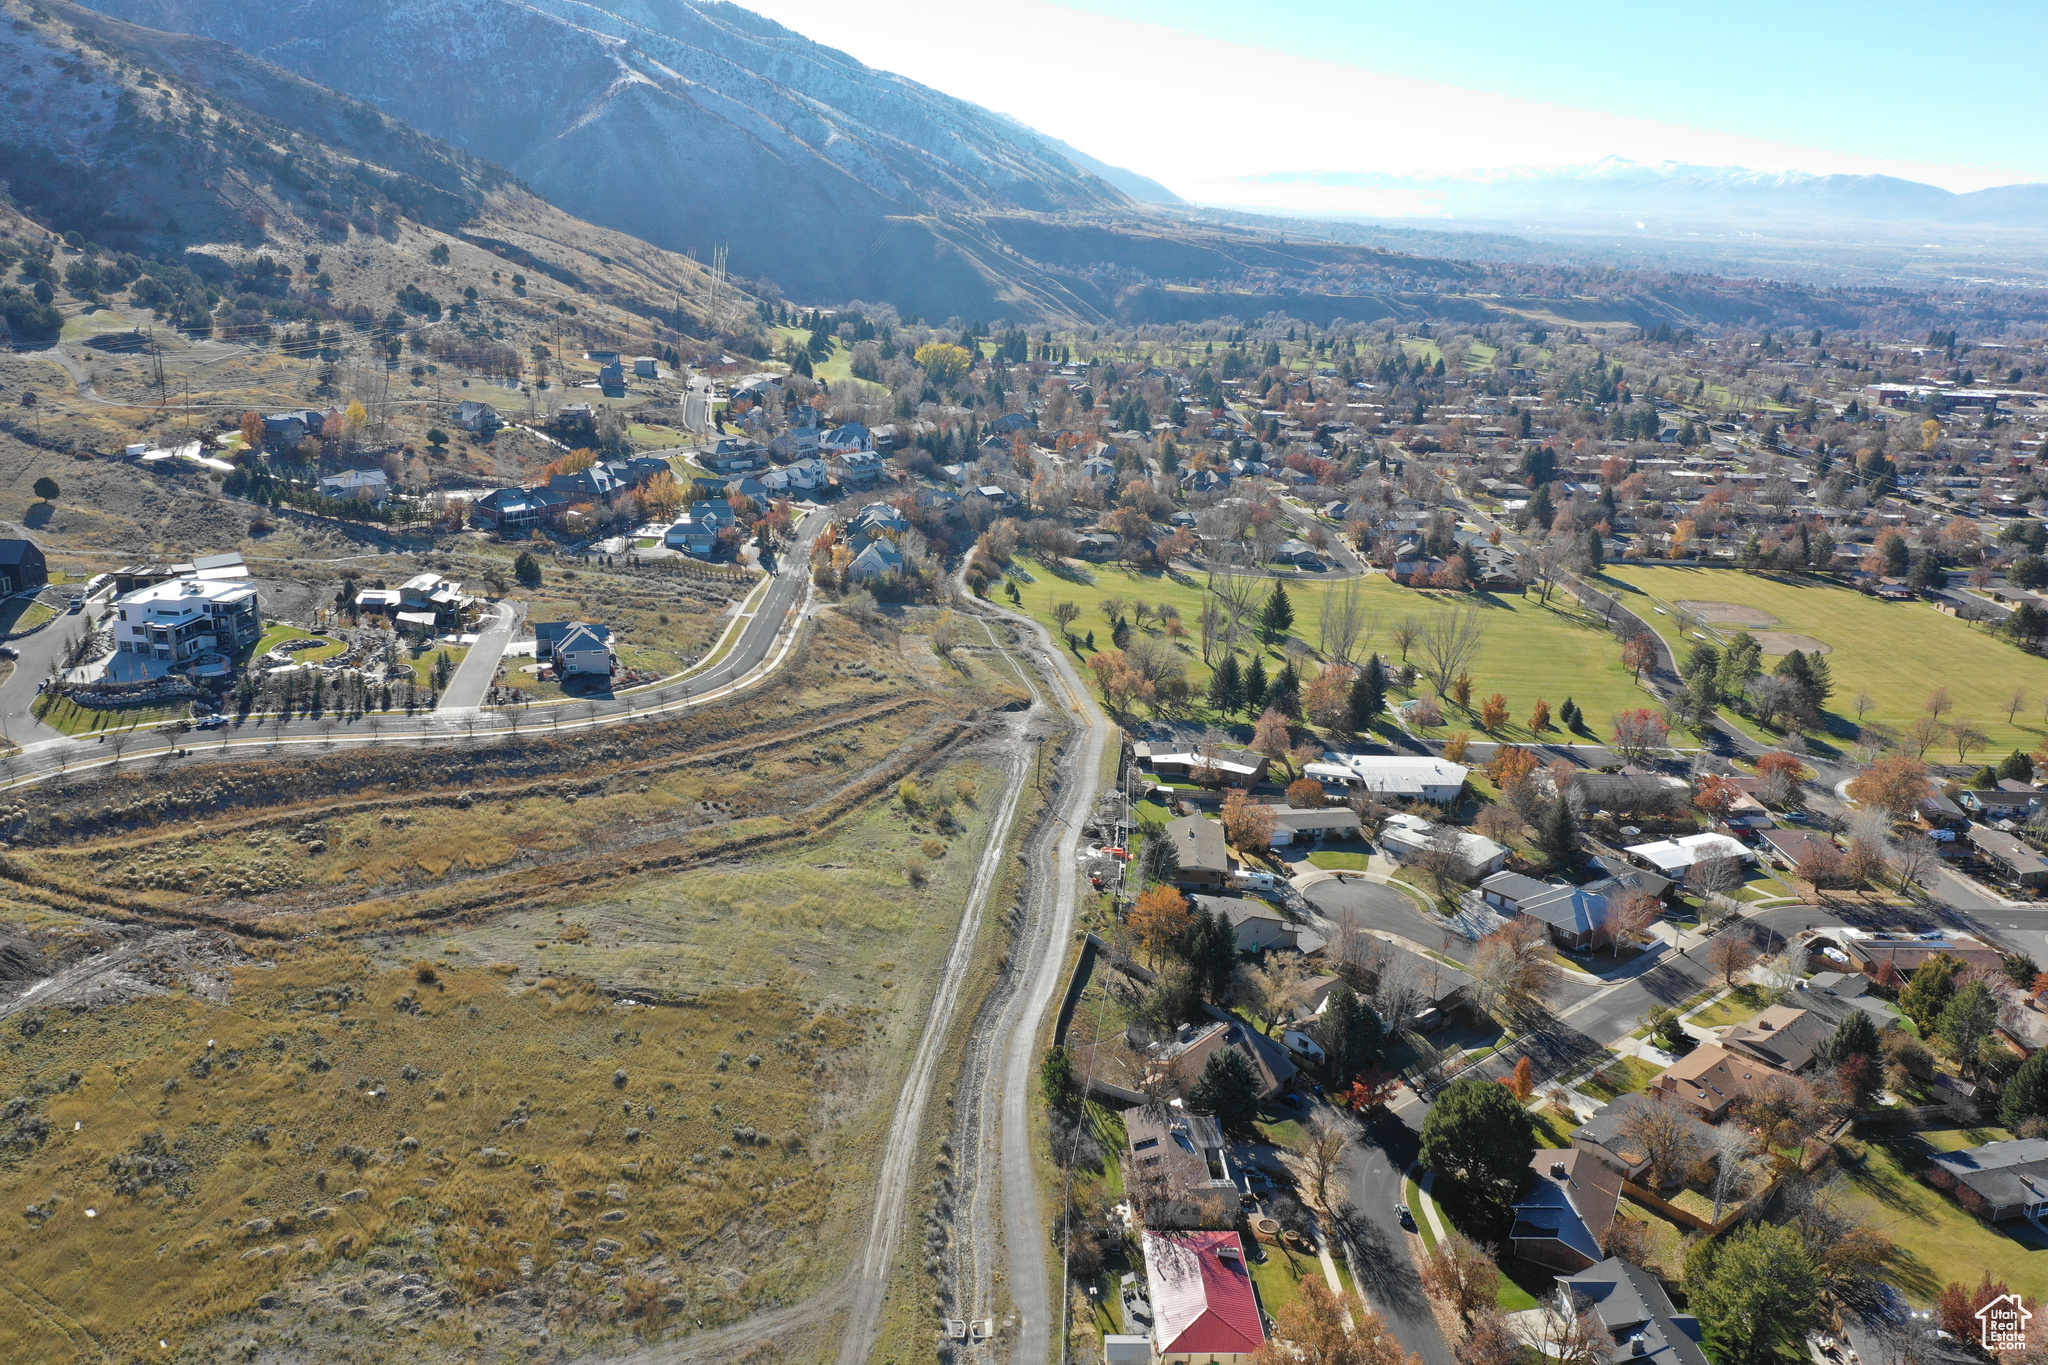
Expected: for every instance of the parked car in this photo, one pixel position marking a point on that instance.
(1402, 1212)
(213, 722)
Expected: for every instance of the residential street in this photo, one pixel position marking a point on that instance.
(1373, 1166)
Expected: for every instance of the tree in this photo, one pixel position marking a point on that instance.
(1277, 618)
(1638, 654)
(1514, 973)
(1477, 1135)
(1759, 1295)
(1491, 1340)
(1957, 1308)
(1253, 691)
(1327, 697)
(1639, 733)
(1629, 917)
(1320, 1160)
(1350, 1032)
(2026, 1094)
(1228, 1090)
(1730, 955)
(1539, 716)
(1571, 1332)
(1715, 875)
(1321, 1328)
(45, 488)
(1493, 713)
(1057, 1082)
(526, 569)
(1066, 613)
(1271, 736)
(1927, 994)
(1895, 784)
(1966, 1021)
(944, 364)
(1557, 834)
(1667, 1136)
(1248, 824)
(1226, 686)
(1521, 1082)
(1460, 1274)
(1160, 917)
(1855, 1036)
(1448, 643)
(1368, 695)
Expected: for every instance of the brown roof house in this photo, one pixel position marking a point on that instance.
(1204, 859)
(1788, 1037)
(1562, 1222)
(1177, 1167)
(1712, 1078)
(1182, 1057)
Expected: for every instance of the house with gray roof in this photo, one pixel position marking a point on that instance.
(1605, 1135)
(1563, 1221)
(1998, 1181)
(1638, 1314)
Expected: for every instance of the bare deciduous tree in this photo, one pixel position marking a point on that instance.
(1347, 626)
(1448, 643)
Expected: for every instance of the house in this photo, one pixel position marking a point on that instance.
(575, 647)
(857, 468)
(1999, 1180)
(1880, 955)
(800, 476)
(696, 532)
(611, 379)
(1632, 791)
(1204, 1310)
(1605, 1135)
(1300, 554)
(476, 417)
(2009, 800)
(645, 367)
(1711, 1078)
(1792, 848)
(1234, 767)
(1178, 1169)
(1576, 915)
(1675, 857)
(1623, 876)
(847, 440)
(731, 456)
(997, 495)
(282, 430)
(430, 592)
(363, 485)
(2016, 858)
(510, 511)
(1181, 1059)
(1098, 545)
(1638, 1315)
(21, 566)
(1425, 992)
(1789, 1037)
(1259, 926)
(1204, 860)
(1390, 775)
(1292, 826)
(875, 520)
(1563, 1221)
(182, 618)
(1404, 837)
(880, 561)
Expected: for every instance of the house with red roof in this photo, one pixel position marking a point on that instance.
(1203, 1306)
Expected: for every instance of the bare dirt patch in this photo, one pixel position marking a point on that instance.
(1728, 613)
(1785, 641)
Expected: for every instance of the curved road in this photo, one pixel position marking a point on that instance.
(767, 630)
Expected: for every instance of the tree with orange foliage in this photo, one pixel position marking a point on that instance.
(1248, 824)
(1493, 713)
(1159, 918)
(1639, 653)
(1370, 1089)
(1521, 1082)
(1539, 716)
(252, 431)
(1512, 766)
(1305, 793)
(1896, 784)
(661, 495)
(1715, 795)
(1322, 1328)
(1778, 761)
(1122, 685)
(1456, 745)
(575, 462)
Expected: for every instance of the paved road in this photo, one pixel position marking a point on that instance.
(763, 641)
(479, 668)
(38, 652)
(1373, 905)
(1372, 1173)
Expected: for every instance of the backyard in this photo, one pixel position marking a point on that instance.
(1897, 652)
(1937, 1241)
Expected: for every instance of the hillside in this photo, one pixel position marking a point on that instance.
(185, 150)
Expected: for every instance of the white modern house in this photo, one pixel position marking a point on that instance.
(182, 618)
(1675, 857)
(1396, 775)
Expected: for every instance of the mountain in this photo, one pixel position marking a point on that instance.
(1142, 188)
(181, 148)
(1617, 189)
(694, 125)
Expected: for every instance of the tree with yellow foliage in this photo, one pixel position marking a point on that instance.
(943, 363)
(661, 495)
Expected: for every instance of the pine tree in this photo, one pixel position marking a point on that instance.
(1596, 550)
(1368, 695)
(1284, 695)
(1226, 686)
(1252, 696)
(1855, 1036)
(1557, 834)
(1278, 617)
(1929, 991)
(2026, 1094)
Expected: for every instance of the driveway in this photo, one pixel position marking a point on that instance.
(479, 667)
(1374, 906)
(38, 653)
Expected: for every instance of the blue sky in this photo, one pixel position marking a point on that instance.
(1205, 95)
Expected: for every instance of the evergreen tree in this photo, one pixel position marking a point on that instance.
(1758, 1297)
(1542, 511)
(1284, 695)
(1278, 617)
(2026, 1094)
(1557, 834)
(1228, 1090)
(1226, 686)
(1368, 695)
(1929, 991)
(1212, 953)
(1855, 1036)
(1820, 680)
(1596, 551)
(1350, 1032)
(1570, 714)
(1252, 697)
(1480, 1137)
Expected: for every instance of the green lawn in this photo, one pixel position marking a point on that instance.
(1335, 861)
(1622, 1076)
(1898, 652)
(1529, 650)
(1411, 1195)
(22, 614)
(1279, 1277)
(65, 715)
(1741, 1004)
(1937, 1241)
(1553, 1128)
(274, 635)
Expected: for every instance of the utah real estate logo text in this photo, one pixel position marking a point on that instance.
(2004, 1322)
